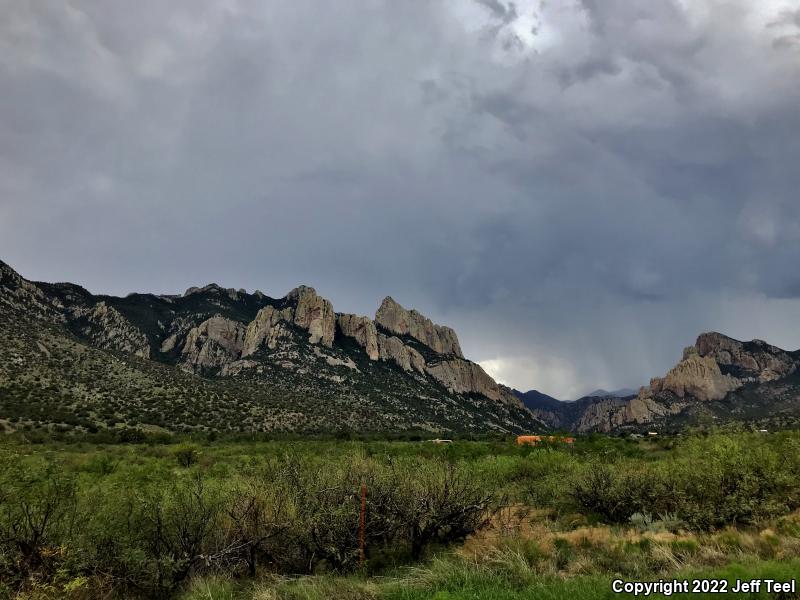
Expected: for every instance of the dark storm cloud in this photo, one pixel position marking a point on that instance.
(579, 188)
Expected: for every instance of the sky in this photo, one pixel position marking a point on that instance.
(579, 188)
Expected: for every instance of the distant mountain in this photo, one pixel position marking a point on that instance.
(536, 400)
(620, 393)
(718, 380)
(222, 359)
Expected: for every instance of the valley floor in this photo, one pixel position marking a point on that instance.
(227, 520)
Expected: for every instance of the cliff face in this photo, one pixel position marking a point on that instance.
(399, 321)
(363, 330)
(719, 379)
(717, 365)
(699, 377)
(314, 314)
(399, 370)
(213, 344)
(746, 361)
(397, 335)
(462, 376)
(445, 363)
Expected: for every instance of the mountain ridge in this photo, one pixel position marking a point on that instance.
(221, 358)
(409, 371)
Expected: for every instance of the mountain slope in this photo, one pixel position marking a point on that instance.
(223, 359)
(620, 393)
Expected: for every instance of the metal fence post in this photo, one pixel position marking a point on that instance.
(362, 525)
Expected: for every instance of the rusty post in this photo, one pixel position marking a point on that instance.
(362, 525)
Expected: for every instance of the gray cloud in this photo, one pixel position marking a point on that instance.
(580, 188)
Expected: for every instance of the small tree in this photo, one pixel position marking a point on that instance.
(37, 510)
(258, 514)
(436, 502)
(172, 533)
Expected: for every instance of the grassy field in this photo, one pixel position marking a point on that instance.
(227, 519)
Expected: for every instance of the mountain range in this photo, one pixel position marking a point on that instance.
(221, 359)
(718, 380)
(217, 359)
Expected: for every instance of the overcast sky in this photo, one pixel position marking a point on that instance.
(579, 188)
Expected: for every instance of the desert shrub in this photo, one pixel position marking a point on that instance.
(101, 464)
(148, 539)
(612, 492)
(323, 530)
(187, 455)
(300, 516)
(436, 502)
(131, 519)
(37, 513)
(546, 473)
(259, 513)
(707, 484)
(176, 529)
(727, 481)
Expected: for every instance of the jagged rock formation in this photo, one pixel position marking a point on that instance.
(105, 327)
(268, 328)
(394, 350)
(213, 344)
(314, 314)
(466, 377)
(747, 361)
(717, 379)
(363, 331)
(696, 376)
(399, 321)
(445, 362)
(252, 363)
(717, 365)
(218, 341)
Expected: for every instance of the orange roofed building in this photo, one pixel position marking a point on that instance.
(533, 440)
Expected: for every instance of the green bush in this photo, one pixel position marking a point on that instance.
(187, 455)
(707, 484)
(37, 515)
(436, 502)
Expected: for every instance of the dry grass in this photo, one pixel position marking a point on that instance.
(522, 539)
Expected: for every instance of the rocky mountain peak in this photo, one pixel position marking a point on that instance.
(313, 313)
(300, 291)
(400, 321)
(217, 333)
(717, 365)
(9, 276)
(18, 293)
(198, 290)
(696, 376)
(718, 378)
(754, 360)
(214, 288)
